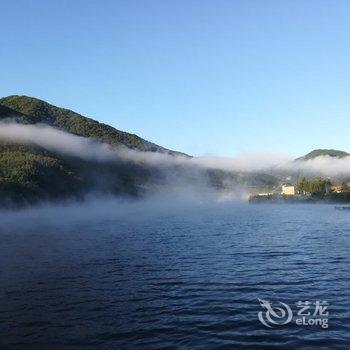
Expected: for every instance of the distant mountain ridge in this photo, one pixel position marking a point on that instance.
(324, 152)
(30, 110)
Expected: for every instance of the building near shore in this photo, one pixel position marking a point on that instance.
(288, 190)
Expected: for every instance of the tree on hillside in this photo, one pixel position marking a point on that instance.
(320, 187)
(303, 186)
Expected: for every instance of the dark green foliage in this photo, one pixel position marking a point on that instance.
(303, 186)
(29, 174)
(317, 188)
(320, 187)
(8, 113)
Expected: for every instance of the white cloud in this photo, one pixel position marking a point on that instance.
(56, 140)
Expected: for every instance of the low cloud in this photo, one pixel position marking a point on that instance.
(56, 140)
(324, 165)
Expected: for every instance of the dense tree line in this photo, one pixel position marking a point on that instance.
(320, 188)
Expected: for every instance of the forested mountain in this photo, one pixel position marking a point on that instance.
(30, 173)
(29, 110)
(323, 152)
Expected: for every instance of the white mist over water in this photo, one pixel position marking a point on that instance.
(107, 208)
(146, 267)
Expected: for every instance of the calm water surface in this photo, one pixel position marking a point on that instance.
(177, 277)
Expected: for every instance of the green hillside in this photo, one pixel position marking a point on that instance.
(30, 110)
(323, 152)
(30, 173)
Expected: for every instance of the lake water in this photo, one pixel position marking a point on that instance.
(173, 276)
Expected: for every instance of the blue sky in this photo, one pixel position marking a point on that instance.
(200, 76)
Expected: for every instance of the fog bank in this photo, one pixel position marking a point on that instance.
(56, 140)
